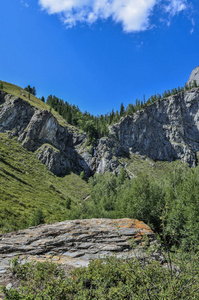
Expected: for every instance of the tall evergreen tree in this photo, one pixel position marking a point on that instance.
(122, 110)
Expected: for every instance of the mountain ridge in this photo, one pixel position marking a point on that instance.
(165, 130)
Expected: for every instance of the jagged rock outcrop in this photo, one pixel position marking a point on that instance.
(194, 76)
(57, 162)
(75, 243)
(166, 130)
(39, 131)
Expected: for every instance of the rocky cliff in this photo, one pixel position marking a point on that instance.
(166, 130)
(38, 130)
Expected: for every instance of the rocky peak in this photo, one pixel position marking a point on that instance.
(194, 76)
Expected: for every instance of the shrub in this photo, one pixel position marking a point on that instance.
(82, 175)
(110, 278)
(37, 217)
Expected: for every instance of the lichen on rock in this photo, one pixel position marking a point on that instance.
(76, 242)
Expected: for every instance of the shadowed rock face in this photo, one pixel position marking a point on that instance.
(39, 132)
(75, 243)
(166, 130)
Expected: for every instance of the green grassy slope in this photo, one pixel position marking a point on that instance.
(34, 101)
(136, 165)
(26, 184)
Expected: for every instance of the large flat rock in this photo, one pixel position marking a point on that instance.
(75, 243)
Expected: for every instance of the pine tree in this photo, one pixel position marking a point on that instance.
(34, 91)
(69, 117)
(31, 90)
(122, 110)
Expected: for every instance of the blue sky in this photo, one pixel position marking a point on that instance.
(99, 53)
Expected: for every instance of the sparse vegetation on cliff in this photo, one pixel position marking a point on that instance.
(97, 126)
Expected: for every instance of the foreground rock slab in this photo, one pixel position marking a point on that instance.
(75, 243)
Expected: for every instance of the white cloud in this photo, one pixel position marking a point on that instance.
(134, 15)
(23, 2)
(175, 6)
(193, 24)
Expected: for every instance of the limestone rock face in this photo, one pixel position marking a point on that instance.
(57, 162)
(166, 130)
(76, 242)
(194, 76)
(15, 114)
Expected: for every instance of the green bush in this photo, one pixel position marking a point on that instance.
(37, 217)
(38, 281)
(82, 175)
(169, 204)
(110, 278)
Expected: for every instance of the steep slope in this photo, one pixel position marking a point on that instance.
(26, 184)
(19, 92)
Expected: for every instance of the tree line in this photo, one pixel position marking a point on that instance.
(97, 126)
(169, 205)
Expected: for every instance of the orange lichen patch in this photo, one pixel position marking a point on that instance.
(138, 237)
(133, 223)
(142, 227)
(30, 258)
(125, 223)
(56, 259)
